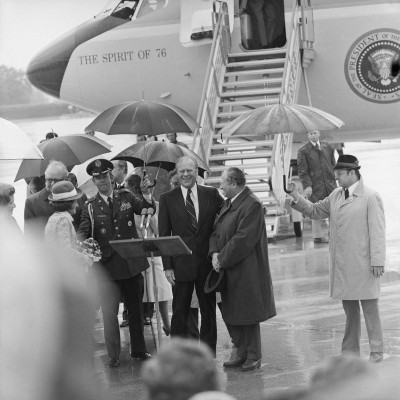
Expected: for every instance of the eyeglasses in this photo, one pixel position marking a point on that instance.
(52, 180)
(338, 173)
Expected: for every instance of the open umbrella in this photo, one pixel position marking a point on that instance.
(159, 154)
(143, 118)
(15, 144)
(281, 118)
(69, 149)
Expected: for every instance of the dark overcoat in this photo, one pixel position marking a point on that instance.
(315, 168)
(240, 238)
(174, 220)
(116, 225)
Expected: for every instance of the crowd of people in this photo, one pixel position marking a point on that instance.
(227, 240)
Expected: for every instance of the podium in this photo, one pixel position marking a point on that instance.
(152, 247)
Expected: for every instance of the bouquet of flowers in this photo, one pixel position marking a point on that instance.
(90, 248)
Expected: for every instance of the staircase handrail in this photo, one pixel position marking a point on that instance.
(207, 114)
(282, 148)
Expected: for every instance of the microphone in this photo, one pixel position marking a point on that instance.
(144, 213)
(150, 213)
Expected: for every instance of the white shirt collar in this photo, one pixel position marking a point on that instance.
(194, 191)
(352, 188)
(314, 144)
(234, 198)
(105, 198)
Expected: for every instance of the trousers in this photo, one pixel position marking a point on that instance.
(352, 333)
(247, 339)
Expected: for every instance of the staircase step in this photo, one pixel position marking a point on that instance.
(217, 179)
(241, 156)
(257, 92)
(255, 53)
(264, 71)
(255, 63)
(254, 102)
(245, 167)
(253, 82)
(243, 145)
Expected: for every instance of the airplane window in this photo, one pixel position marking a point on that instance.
(109, 7)
(149, 6)
(125, 9)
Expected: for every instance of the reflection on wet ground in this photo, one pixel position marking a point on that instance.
(307, 330)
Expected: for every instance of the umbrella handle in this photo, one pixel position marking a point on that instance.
(154, 182)
(284, 185)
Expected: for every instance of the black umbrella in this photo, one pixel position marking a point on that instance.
(143, 118)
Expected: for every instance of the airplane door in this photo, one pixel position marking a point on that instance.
(196, 21)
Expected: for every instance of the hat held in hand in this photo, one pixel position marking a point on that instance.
(215, 281)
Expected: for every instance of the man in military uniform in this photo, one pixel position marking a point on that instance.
(110, 216)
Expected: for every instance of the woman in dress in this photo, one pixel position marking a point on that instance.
(133, 182)
(7, 205)
(60, 229)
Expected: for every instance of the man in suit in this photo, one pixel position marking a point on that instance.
(357, 251)
(37, 207)
(110, 216)
(189, 211)
(315, 162)
(119, 173)
(239, 246)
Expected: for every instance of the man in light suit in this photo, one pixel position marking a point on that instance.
(357, 251)
(239, 246)
(189, 211)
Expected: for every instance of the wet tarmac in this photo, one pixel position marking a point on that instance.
(307, 330)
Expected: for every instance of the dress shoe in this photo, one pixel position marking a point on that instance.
(237, 362)
(124, 324)
(251, 364)
(140, 355)
(376, 357)
(321, 240)
(113, 363)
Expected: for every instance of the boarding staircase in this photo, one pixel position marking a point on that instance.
(235, 84)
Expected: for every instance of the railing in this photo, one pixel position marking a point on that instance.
(282, 148)
(207, 115)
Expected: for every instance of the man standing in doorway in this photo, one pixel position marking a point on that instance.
(357, 251)
(239, 247)
(315, 162)
(172, 138)
(119, 173)
(189, 211)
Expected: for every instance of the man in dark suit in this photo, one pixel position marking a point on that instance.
(239, 246)
(189, 211)
(315, 162)
(110, 216)
(119, 173)
(37, 207)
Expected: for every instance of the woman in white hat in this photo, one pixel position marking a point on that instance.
(59, 229)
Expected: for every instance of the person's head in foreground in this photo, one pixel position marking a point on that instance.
(347, 170)
(64, 197)
(7, 203)
(182, 368)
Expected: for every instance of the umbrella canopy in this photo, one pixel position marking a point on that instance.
(159, 154)
(69, 149)
(143, 118)
(15, 144)
(281, 118)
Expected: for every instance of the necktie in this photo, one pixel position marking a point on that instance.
(318, 146)
(346, 193)
(226, 206)
(110, 204)
(191, 210)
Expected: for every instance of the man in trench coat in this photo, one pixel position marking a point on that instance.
(315, 162)
(357, 251)
(239, 246)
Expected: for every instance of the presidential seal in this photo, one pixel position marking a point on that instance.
(368, 66)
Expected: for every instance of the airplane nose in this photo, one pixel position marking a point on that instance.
(47, 68)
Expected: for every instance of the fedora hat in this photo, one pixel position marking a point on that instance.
(64, 191)
(347, 161)
(215, 281)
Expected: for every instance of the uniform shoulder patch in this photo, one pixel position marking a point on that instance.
(90, 200)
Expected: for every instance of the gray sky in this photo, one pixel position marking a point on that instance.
(26, 26)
